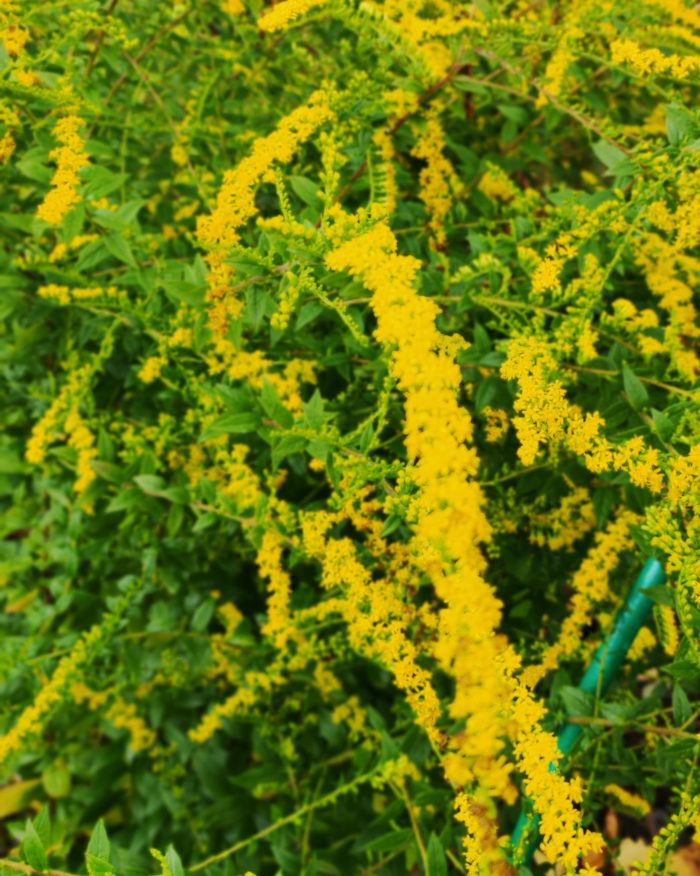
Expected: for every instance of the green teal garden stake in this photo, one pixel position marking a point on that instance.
(603, 668)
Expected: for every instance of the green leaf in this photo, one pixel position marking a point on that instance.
(313, 411)
(174, 862)
(660, 594)
(120, 249)
(682, 710)
(42, 825)
(680, 124)
(366, 437)
(608, 154)
(487, 393)
(178, 495)
(437, 863)
(681, 669)
(576, 701)
(319, 449)
(108, 471)
(202, 616)
(306, 189)
(56, 779)
(32, 164)
(390, 842)
(99, 843)
(32, 849)
(391, 524)
(663, 425)
(15, 796)
(288, 445)
(97, 866)
(308, 313)
(118, 220)
(273, 407)
(259, 304)
(101, 182)
(125, 500)
(235, 424)
(150, 484)
(634, 388)
(236, 399)
(181, 290)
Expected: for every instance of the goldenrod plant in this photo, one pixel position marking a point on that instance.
(350, 362)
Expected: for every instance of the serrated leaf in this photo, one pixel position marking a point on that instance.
(99, 842)
(32, 849)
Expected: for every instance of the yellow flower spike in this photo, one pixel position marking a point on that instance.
(235, 203)
(449, 526)
(70, 158)
(628, 800)
(285, 12)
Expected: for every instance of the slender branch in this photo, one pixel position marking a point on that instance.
(650, 380)
(171, 25)
(570, 111)
(20, 867)
(647, 728)
(430, 92)
(100, 40)
(288, 819)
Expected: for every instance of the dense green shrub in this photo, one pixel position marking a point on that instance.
(350, 377)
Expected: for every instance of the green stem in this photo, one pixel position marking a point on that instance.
(288, 819)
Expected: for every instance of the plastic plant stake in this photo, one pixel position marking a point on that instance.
(597, 678)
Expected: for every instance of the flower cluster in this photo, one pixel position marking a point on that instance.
(70, 157)
(284, 13)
